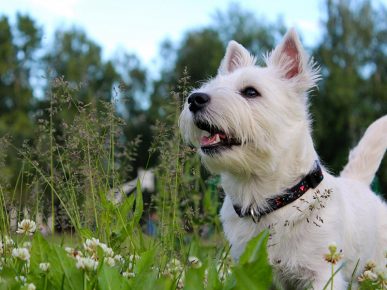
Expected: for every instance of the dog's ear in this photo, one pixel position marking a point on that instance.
(236, 57)
(293, 62)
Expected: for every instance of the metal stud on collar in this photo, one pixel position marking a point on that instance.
(254, 215)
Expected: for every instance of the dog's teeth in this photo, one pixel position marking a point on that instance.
(211, 140)
(205, 134)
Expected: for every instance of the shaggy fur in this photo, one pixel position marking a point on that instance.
(276, 151)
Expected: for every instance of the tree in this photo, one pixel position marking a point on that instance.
(18, 46)
(351, 95)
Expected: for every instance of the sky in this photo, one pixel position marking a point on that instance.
(140, 26)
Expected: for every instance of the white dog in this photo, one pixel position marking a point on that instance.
(251, 125)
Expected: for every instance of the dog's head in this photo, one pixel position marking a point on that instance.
(247, 116)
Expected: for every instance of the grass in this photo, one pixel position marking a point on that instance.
(69, 172)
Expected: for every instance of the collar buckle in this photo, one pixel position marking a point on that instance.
(254, 215)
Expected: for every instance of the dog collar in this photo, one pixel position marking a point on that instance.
(311, 180)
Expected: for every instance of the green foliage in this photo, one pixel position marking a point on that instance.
(351, 94)
(253, 270)
(73, 146)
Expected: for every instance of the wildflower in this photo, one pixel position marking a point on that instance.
(21, 253)
(73, 252)
(107, 251)
(367, 275)
(6, 245)
(27, 245)
(110, 261)
(128, 274)
(86, 264)
(370, 275)
(133, 258)
(8, 241)
(175, 265)
(44, 266)
(119, 259)
(194, 262)
(371, 265)
(222, 271)
(21, 279)
(91, 245)
(31, 286)
(333, 257)
(27, 227)
(174, 269)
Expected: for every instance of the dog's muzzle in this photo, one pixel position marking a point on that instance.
(198, 101)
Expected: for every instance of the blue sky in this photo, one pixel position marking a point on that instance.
(140, 26)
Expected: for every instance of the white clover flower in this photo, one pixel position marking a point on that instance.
(21, 279)
(133, 258)
(8, 242)
(194, 262)
(27, 227)
(173, 268)
(222, 272)
(175, 263)
(87, 264)
(44, 267)
(21, 253)
(31, 286)
(73, 253)
(27, 245)
(119, 259)
(110, 261)
(370, 265)
(107, 251)
(128, 274)
(369, 275)
(91, 245)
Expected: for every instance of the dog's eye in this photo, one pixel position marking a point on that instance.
(250, 92)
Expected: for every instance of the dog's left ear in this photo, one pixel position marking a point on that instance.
(236, 57)
(293, 63)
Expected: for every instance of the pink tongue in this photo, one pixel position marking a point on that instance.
(204, 141)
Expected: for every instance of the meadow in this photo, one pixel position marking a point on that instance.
(96, 241)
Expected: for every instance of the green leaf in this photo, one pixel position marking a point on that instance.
(63, 267)
(255, 248)
(39, 251)
(194, 279)
(110, 279)
(213, 282)
(253, 270)
(86, 233)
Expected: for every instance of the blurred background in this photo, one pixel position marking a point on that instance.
(133, 54)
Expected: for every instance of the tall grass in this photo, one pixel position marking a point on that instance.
(71, 171)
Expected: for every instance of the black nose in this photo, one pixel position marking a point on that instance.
(198, 101)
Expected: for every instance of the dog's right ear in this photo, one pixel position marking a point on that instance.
(236, 57)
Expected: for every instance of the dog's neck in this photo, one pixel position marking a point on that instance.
(289, 167)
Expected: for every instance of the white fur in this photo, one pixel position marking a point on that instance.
(276, 151)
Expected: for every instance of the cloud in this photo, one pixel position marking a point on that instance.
(62, 8)
(308, 26)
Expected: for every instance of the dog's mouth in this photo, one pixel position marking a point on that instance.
(216, 141)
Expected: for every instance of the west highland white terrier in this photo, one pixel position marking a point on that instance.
(251, 125)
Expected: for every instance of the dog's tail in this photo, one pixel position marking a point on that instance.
(365, 158)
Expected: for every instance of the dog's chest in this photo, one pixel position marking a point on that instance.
(284, 233)
(290, 246)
